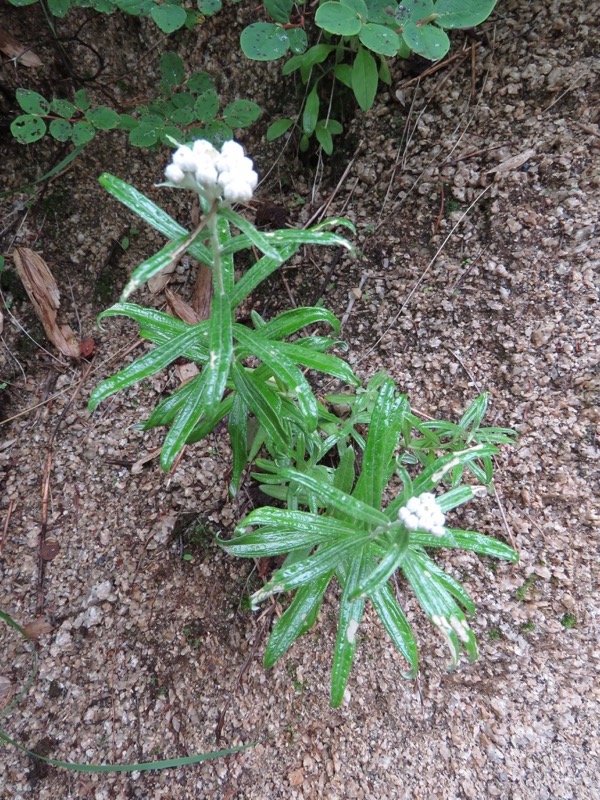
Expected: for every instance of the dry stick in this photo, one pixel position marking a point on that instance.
(504, 520)
(11, 505)
(322, 210)
(464, 366)
(424, 273)
(46, 492)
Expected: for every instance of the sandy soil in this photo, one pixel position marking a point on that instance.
(475, 192)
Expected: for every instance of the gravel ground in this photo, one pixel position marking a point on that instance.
(475, 190)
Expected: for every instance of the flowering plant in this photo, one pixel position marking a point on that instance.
(335, 523)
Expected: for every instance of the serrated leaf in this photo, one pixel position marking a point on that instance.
(264, 41)
(28, 128)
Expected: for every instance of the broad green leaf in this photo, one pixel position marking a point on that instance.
(172, 68)
(380, 39)
(278, 128)
(426, 40)
(381, 12)
(217, 133)
(284, 369)
(61, 130)
(314, 55)
(343, 73)
(462, 13)
(339, 19)
(324, 137)
(152, 214)
(200, 82)
(364, 78)
(82, 99)
(264, 41)
(467, 540)
(241, 113)
(28, 128)
(396, 625)
(298, 40)
(340, 501)
(349, 618)
(279, 10)
(103, 118)
(168, 17)
(209, 7)
(63, 108)
(83, 133)
(385, 76)
(31, 102)
(298, 618)
(310, 115)
(413, 11)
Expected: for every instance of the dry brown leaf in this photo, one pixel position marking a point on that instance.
(162, 278)
(141, 462)
(512, 163)
(12, 48)
(185, 372)
(43, 293)
(1, 323)
(49, 550)
(37, 628)
(179, 308)
(202, 296)
(6, 688)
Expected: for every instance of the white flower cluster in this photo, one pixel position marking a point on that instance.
(213, 174)
(422, 513)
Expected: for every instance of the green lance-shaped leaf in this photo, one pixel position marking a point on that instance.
(152, 214)
(310, 115)
(327, 557)
(441, 609)
(320, 362)
(264, 403)
(148, 364)
(447, 582)
(289, 322)
(237, 427)
(350, 615)
(396, 625)
(384, 433)
(285, 370)
(324, 137)
(393, 558)
(159, 328)
(365, 78)
(467, 540)
(264, 41)
(340, 501)
(281, 531)
(462, 13)
(473, 417)
(278, 128)
(206, 425)
(258, 239)
(297, 619)
(155, 264)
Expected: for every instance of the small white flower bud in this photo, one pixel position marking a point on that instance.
(174, 174)
(237, 192)
(184, 158)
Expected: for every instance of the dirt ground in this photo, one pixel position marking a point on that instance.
(475, 190)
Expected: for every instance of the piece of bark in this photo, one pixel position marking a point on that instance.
(43, 292)
(201, 298)
(179, 308)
